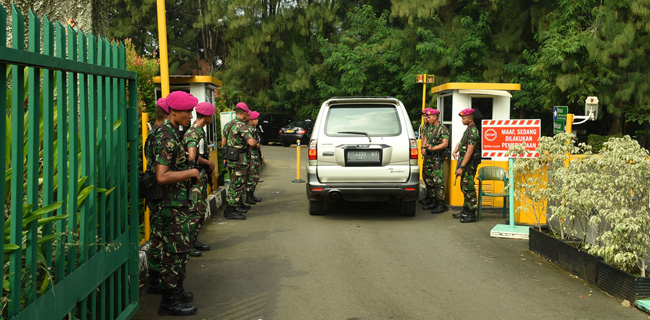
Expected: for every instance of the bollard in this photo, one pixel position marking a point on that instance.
(298, 180)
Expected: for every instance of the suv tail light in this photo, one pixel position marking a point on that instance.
(302, 131)
(414, 148)
(280, 131)
(312, 150)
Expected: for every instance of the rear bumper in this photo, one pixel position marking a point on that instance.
(364, 191)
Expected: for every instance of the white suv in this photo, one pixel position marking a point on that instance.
(363, 149)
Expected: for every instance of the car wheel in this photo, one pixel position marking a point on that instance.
(286, 143)
(317, 208)
(407, 208)
(264, 141)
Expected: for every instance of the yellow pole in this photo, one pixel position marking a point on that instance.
(162, 43)
(424, 91)
(145, 133)
(424, 97)
(298, 159)
(569, 123)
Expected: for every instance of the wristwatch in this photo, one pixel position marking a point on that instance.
(462, 167)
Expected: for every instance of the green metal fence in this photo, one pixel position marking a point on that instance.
(70, 142)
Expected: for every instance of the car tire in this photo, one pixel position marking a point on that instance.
(317, 208)
(407, 208)
(264, 141)
(286, 143)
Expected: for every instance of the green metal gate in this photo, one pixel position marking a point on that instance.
(69, 137)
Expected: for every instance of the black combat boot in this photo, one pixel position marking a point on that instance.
(231, 213)
(251, 195)
(440, 207)
(183, 296)
(249, 199)
(460, 214)
(470, 217)
(433, 204)
(154, 282)
(200, 246)
(241, 204)
(170, 304)
(194, 252)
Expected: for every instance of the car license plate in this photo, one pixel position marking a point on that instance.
(365, 157)
(288, 131)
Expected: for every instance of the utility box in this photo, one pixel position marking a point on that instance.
(491, 101)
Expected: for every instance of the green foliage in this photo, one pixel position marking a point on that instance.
(602, 199)
(146, 68)
(534, 186)
(288, 56)
(597, 141)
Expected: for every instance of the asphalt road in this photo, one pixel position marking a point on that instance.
(366, 262)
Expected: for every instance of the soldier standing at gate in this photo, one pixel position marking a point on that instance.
(198, 193)
(153, 202)
(434, 143)
(172, 223)
(238, 139)
(467, 164)
(255, 161)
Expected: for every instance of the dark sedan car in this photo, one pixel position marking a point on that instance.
(297, 130)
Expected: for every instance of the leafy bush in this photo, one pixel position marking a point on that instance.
(597, 141)
(603, 199)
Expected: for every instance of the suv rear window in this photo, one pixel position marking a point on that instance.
(375, 120)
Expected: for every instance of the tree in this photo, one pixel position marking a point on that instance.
(619, 46)
(137, 19)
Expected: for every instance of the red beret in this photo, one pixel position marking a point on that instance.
(430, 111)
(243, 106)
(181, 101)
(162, 104)
(253, 115)
(205, 108)
(466, 112)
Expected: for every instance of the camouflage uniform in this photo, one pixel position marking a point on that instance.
(255, 165)
(237, 136)
(198, 192)
(470, 137)
(154, 206)
(432, 171)
(172, 224)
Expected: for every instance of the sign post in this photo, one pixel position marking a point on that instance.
(498, 136)
(559, 118)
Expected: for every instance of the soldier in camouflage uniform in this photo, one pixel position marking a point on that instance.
(172, 223)
(238, 139)
(154, 205)
(435, 140)
(198, 192)
(467, 164)
(255, 161)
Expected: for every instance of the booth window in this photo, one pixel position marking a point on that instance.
(446, 108)
(484, 107)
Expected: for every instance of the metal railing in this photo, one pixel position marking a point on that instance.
(70, 182)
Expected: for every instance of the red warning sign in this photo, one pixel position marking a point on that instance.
(499, 135)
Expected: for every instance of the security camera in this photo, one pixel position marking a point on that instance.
(591, 107)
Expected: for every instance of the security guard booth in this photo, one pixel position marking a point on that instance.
(491, 101)
(205, 89)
